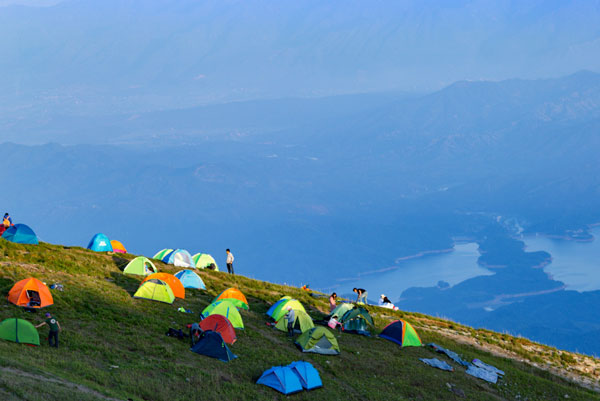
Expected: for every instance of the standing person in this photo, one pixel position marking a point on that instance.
(291, 319)
(332, 300)
(361, 295)
(54, 329)
(230, 260)
(7, 221)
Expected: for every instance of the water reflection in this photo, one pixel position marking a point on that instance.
(577, 264)
(452, 267)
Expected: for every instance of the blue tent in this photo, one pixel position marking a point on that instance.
(308, 375)
(275, 305)
(100, 243)
(189, 279)
(282, 379)
(211, 344)
(179, 257)
(21, 234)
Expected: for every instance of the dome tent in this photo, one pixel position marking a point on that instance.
(162, 253)
(221, 325)
(402, 333)
(179, 257)
(276, 304)
(357, 320)
(227, 309)
(140, 266)
(205, 261)
(280, 310)
(234, 296)
(301, 320)
(189, 279)
(20, 234)
(155, 290)
(318, 340)
(211, 344)
(172, 281)
(19, 331)
(117, 246)
(30, 293)
(100, 243)
(282, 379)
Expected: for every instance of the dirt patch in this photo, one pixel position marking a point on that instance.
(57, 380)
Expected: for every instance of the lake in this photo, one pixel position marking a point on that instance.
(577, 264)
(451, 267)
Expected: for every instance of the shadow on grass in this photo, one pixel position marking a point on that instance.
(120, 262)
(128, 283)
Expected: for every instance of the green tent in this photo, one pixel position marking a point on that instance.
(355, 313)
(302, 320)
(227, 309)
(318, 340)
(140, 266)
(161, 254)
(19, 331)
(341, 309)
(155, 290)
(280, 310)
(402, 333)
(205, 261)
(356, 321)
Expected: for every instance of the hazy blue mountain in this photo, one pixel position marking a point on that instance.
(85, 56)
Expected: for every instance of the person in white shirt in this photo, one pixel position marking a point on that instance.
(230, 259)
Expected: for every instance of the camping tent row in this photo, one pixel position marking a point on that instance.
(101, 243)
(30, 293)
(20, 234)
(182, 258)
(295, 377)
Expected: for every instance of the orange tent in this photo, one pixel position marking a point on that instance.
(235, 296)
(172, 281)
(30, 293)
(117, 246)
(220, 324)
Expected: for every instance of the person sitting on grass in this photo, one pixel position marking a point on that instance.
(386, 303)
(54, 329)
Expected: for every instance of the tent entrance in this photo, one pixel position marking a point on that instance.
(33, 298)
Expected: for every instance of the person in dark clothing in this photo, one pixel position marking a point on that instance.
(361, 295)
(54, 329)
(195, 332)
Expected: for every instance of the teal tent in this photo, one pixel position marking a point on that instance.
(100, 243)
(21, 234)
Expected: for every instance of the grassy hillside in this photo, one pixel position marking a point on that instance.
(114, 346)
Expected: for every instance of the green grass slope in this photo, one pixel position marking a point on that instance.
(114, 346)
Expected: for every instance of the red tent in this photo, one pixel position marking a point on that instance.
(220, 324)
